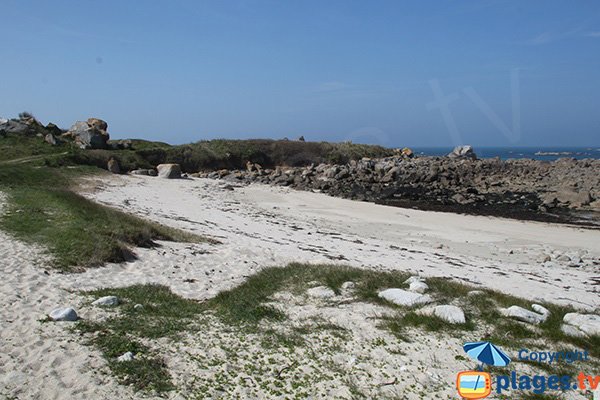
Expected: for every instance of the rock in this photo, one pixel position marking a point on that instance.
(169, 171)
(13, 126)
(106, 301)
(588, 324)
(403, 297)
(463, 152)
(418, 287)
(348, 285)
(113, 166)
(53, 129)
(97, 123)
(63, 314)
(542, 258)
(474, 293)
(521, 314)
(126, 357)
(541, 310)
(89, 136)
(573, 198)
(406, 152)
(50, 139)
(572, 331)
(138, 307)
(301, 139)
(450, 314)
(321, 292)
(563, 258)
(152, 172)
(140, 172)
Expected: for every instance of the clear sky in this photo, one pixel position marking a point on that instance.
(417, 73)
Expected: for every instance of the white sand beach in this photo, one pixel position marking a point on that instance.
(262, 226)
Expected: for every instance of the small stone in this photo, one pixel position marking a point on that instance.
(106, 301)
(348, 285)
(541, 310)
(563, 258)
(521, 314)
(138, 307)
(572, 331)
(403, 297)
(418, 287)
(589, 324)
(63, 314)
(450, 314)
(543, 258)
(473, 293)
(321, 292)
(126, 357)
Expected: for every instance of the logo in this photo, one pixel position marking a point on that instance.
(478, 384)
(474, 384)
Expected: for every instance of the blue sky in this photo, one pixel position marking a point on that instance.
(417, 73)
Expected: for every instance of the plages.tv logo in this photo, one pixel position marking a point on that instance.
(478, 384)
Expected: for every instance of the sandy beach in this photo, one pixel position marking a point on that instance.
(261, 226)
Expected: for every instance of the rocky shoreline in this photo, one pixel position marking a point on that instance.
(565, 190)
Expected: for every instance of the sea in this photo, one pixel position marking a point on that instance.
(505, 153)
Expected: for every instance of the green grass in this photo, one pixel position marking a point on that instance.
(164, 314)
(17, 146)
(243, 308)
(78, 233)
(245, 303)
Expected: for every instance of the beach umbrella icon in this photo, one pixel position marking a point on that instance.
(486, 353)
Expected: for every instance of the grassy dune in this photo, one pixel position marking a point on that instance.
(41, 208)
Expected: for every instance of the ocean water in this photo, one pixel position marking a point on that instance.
(536, 153)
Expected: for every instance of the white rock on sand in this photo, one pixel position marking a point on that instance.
(403, 297)
(321, 292)
(418, 287)
(106, 301)
(588, 324)
(524, 315)
(450, 313)
(129, 356)
(169, 171)
(63, 314)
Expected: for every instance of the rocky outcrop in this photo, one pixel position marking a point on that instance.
(91, 134)
(519, 188)
(463, 152)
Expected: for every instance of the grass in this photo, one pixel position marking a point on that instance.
(246, 303)
(79, 233)
(17, 146)
(163, 314)
(243, 308)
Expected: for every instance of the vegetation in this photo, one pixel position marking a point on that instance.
(163, 314)
(224, 154)
(249, 315)
(78, 232)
